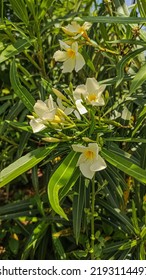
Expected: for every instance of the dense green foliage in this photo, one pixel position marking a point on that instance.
(48, 209)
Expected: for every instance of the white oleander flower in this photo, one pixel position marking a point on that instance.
(46, 112)
(89, 161)
(75, 29)
(70, 57)
(91, 93)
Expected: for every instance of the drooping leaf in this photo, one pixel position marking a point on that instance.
(59, 179)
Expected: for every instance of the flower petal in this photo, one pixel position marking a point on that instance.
(101, 89)
(80, 90)
(79, 148)
(92, 85)
(37, 125)
(98, 164)
(40, 108)
(68, 65)
(87, 25)
(77, 114)
(75, 47)
(85, 169)
(80, 62)
(126, 114)
(63, 45)
(60, 56)
(82, 110)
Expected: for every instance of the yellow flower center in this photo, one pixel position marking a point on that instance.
(89, 154)
(71, 53)
(81, 30)
(92, 97)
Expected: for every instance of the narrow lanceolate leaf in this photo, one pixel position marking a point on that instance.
(123, 61)
(140, 120)
(142, 7)
(23, 164)
(78, 203)
(139, 79)
(60, 179)
(20, 10)
(64, 190)
(35, 238)
(125, 165)
(117, 20)
(20, 90)
(14, 49)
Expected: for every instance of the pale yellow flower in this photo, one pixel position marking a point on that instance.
(75, 29)
(70, 57)
(49, 112)
(91, 92)
(45, 113)
(89, 161)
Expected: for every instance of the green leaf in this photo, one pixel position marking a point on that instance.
(119, 216)
(45, 5)
(31, 6)
(125, 139)
(135, 218)
(142, 251)
(129, 244)
(142, 7)
(139, 79)
(140, 120)
(58, 247)
(14, 245)
(64, 190)
(20, 125)
(125, 165)
(121, 65)
(14, 49)
(111, 19)
(23, 164)
(20, 10)
(143, 233)
(59, 179)
(78, 203)
(35, 238)
(20, 90)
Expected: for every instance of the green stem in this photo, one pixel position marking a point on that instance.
(92, 218)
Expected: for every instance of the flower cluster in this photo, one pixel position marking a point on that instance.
(70, 55)
(65, 112)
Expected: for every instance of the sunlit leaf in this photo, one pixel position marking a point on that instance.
(23, 164)
(125, 165)
(59, 179)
